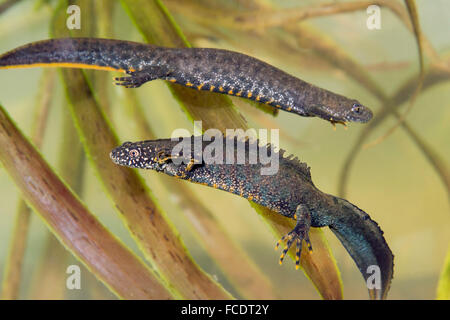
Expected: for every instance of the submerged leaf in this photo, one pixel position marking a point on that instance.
(246, 277)
(216, 111)
(13, 269)
(443, 290)
(148, 225)
(71, 222)
(157, 27)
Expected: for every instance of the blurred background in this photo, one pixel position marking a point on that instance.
(393, 181)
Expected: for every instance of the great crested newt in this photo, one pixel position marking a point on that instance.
(216, 70)
(289, 191)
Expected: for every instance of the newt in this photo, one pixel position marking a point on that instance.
(209, 69)
(288, 191)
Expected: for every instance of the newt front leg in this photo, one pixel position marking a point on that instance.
(138, 78)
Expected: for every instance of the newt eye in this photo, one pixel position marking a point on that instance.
(133, 153)
(357, 108)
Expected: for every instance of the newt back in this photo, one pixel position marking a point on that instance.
(210, 69)
(269, 178)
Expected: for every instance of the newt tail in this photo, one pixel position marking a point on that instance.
(283, 185)
(364, 241)
(209, 69)
(84, 53)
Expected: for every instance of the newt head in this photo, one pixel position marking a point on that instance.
(159, 155)
(141, 155)
(339, 109)
(358, 113)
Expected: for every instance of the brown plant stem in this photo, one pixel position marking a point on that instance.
(246, 277)
(14, 262)
(216, 111)
(149, 227)
(71, 222)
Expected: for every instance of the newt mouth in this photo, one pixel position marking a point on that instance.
(357, 113)
(113, 157)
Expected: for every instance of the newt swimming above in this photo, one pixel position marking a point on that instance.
(288, 190)
(208, 69)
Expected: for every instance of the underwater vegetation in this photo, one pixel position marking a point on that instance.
(147, 236)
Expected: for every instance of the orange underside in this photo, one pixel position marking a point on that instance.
(62, 65)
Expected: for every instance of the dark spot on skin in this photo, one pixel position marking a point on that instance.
(215, 70)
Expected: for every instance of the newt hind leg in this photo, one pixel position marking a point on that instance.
(298, 234)
(138, 78)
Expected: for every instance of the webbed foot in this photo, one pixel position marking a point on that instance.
(298, 234)
(139, 77)
(131, 81)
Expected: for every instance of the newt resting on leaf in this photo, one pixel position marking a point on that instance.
(216, 70)
(288, 190)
